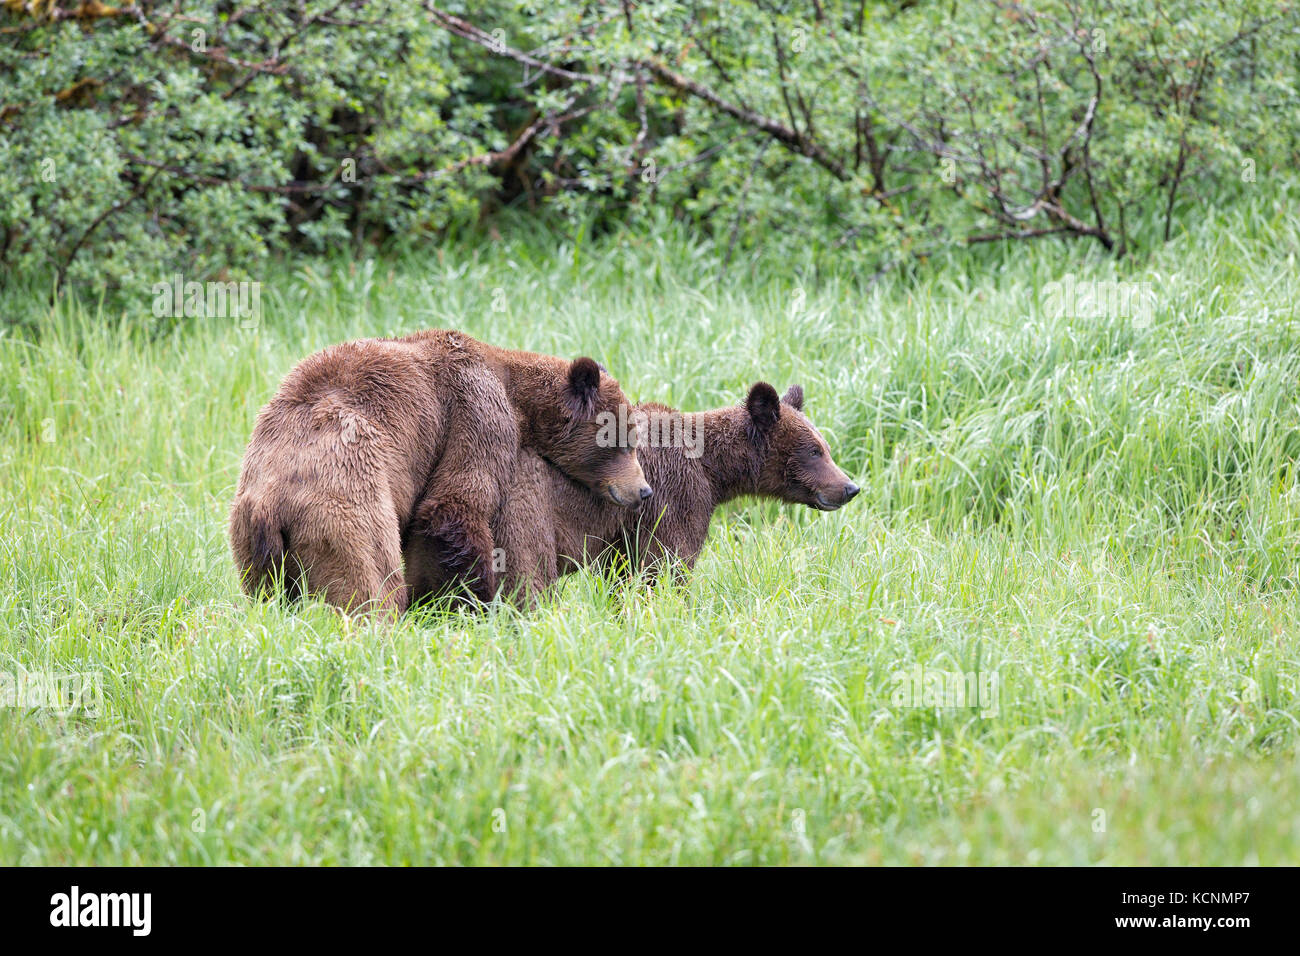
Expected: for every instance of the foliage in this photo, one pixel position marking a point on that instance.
(199, 136)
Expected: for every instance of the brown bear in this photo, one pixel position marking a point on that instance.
(695, 462)
(361, 433)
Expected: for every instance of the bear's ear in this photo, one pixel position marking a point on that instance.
(763, 406)
(794, 397)
(584, 382)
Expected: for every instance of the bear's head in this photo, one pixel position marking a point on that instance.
(794, 462)
(576, 438)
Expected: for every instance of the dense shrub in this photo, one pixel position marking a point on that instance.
(136, 141)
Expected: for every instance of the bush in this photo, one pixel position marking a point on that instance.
(197, 137)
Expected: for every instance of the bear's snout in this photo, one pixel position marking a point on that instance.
(624, 482)
(626, 495)
(832, 497)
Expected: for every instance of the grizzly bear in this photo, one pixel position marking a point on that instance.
(373, 442)
(695, 462)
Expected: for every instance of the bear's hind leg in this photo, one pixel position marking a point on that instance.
(358, 573)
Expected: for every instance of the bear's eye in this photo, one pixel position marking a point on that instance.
(816, 453)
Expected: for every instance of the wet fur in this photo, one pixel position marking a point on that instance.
(371, 443)
(764, 447)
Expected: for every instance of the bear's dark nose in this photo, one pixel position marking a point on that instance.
(851, 491)
(646, 492)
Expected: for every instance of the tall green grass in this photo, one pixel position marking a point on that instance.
(1103, 517)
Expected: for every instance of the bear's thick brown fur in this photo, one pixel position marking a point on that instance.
(551, 526)
(371, 442)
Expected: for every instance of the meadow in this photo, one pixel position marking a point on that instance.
(1095, 519)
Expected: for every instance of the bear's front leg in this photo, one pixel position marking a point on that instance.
(461, 542)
